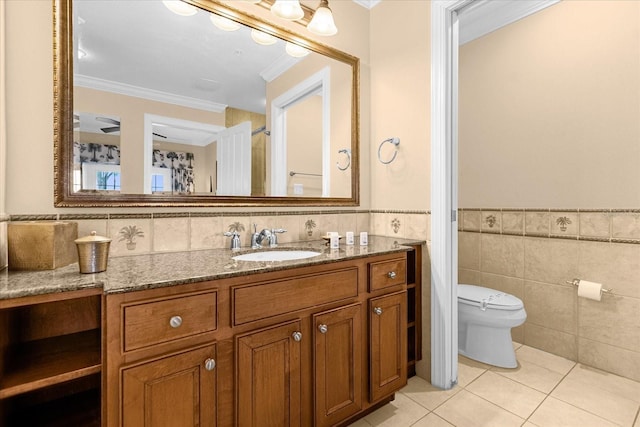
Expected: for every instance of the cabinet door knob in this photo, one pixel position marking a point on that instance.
(391, 275)
(323, 328)
(377, 310)
(175, 321)
(297, 336)
(209, 364)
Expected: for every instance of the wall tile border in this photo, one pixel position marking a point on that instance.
(72, 217)
(560, 222)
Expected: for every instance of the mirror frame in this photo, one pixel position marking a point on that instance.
(63, 123)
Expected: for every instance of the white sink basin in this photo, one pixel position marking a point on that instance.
(266, 256)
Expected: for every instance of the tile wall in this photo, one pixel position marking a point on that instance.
(4, 249)
(133, 234)
(532, 253)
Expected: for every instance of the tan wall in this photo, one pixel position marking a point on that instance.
(29, 97)
(400, 103)
(549, 110)
(304, 154)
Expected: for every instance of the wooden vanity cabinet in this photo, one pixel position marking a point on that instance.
(268, 375)
(337, 359)
(297, 347)
(387, 344)
(50, 359)
(161, 357)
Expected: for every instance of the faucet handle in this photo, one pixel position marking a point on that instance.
(235, 239)
(274, 236)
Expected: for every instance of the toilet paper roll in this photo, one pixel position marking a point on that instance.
(590, 290)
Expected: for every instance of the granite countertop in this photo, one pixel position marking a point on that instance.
(132, 273)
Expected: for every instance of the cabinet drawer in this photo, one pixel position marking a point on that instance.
(153, 322)
(267, 299)
(385, 274)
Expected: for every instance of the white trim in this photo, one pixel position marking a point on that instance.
(274, 70)
(318, 81)
(483, 16)
(444, 293)
(150, 94)
(369, 4)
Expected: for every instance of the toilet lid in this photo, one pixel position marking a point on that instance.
(489, 298)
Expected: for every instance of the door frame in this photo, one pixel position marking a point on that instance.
(476, 17)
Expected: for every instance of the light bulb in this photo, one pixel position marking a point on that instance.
(295, 50)
(322, 22)
(262, 37)
(225, 24)
(180, 8)
(287, 9)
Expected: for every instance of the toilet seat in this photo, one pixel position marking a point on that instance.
(485, 298)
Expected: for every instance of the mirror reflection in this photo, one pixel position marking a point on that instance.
(168, 104)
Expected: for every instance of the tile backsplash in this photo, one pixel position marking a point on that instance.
(169, 232)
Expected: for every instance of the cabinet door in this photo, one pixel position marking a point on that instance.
(388, 344)
(175, 391)
(337, 364)
(268, 377)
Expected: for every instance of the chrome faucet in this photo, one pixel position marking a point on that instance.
(271, 236)
(235, 239)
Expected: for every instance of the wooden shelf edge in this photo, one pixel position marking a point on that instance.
(51, 361)
(45, 382)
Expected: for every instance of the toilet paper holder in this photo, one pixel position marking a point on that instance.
(576, 282)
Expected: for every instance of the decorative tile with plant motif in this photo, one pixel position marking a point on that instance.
(395, 225)
(129, 234)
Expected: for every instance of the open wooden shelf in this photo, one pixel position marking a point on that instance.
(41, 363)
(77, 410)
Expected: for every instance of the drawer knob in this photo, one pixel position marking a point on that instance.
(377, 310)
(297, 336)
(323, 329)
(209, 364)
(391, 275)
(175, 321)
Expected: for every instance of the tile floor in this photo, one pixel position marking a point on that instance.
(544, 391)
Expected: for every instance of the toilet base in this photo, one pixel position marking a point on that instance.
(486, 344)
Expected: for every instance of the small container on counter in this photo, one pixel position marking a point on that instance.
(93, 253)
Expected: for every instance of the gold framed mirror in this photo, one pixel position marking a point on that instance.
(147, 112)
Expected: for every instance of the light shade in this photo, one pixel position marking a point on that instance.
(287, 9)
(180, 8)
(262, 37)
(322, 22)
(295, 50)
(225, 24)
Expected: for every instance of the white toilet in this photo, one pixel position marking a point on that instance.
(485, 319)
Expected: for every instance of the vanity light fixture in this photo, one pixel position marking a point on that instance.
(180, 8)
(295, 50)
(225, 24)
(322, 22)
(262, 38)
(287, 9)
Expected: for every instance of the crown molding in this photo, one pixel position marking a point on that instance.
(369, 4)
(484, 16)
(277, 68)
(150, 94)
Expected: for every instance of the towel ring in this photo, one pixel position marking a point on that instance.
(395, 141)
(348, 153)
